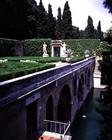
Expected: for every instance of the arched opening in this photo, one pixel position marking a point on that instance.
(31, 119)
(49, 108)
(64, 105)
(80, 91)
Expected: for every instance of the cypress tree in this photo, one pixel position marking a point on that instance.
(51, 23)
(32, 19)
(89, 30)
(99, 32)
(13, 18)
(18, 20)
(59, 30)
(42, 21)
(67, 21)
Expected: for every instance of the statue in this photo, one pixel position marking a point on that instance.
(44, 48)
(63, 50)
(64, 47)
(45, 54)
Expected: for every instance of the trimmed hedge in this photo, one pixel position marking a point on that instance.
(34, 47)
(7, 47)
(78, 46)
(34, 58)
(75, 59)
(42, 59)
(12, 69)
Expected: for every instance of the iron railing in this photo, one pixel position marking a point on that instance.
(57, 127)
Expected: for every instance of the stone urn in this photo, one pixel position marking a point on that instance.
(68, 55)
(68, 59)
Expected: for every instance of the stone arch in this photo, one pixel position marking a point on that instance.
(64, 105)
(49, 108)
(81, 88)
(31, 119)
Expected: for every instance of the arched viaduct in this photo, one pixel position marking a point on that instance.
(55, 94)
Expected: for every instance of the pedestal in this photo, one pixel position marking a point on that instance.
(45, 55)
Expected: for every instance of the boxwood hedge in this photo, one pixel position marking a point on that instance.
(14, 69)
(78, 46)
(34, 47)
(7, 47)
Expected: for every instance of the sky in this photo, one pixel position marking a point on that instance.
(81, 9)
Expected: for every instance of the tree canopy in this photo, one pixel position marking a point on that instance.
(13, 18)
(90, 30)
(23, 19)
(99, 31)
(108, 4)
(59, 31)
(51, 23)
(67, 21)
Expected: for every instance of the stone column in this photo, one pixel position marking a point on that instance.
(52, 51)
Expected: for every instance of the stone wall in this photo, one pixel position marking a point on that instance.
(23, 102)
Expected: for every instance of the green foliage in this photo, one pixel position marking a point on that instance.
(89, 30)
(24, 19)
(108, 37)
(49, 59)
(59, 31)
(34, 58)
(42, 59)
(51, 21)
(108, 5)
(78, 46)
(76, 59)
(7, 47)
(34, 47)
(42, 21)
(102, 47)
(67, 22)
(13, 69)
(99, 32)
(32, 18)
(76, 32)
(13, 18)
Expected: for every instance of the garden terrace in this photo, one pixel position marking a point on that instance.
(12, 67)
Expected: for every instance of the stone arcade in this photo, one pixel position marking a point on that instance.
(54, 94)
